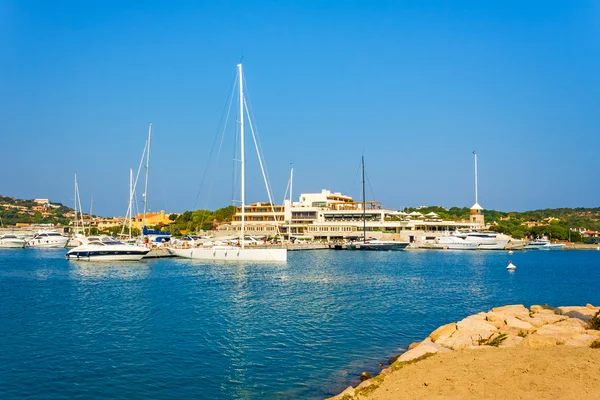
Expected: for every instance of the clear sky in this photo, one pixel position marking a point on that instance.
(415, 86)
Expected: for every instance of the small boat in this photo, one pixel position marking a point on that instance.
(511, 266)
(106, 248)
(451, 242)
(543, 244)
(9, 241)
(48, 239)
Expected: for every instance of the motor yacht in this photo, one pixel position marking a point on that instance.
(454, 243)
(543, 244)
(486, 240)
(106, 248)
(48, 239)
(9, 241)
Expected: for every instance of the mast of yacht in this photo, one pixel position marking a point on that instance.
(364, 201)
(146, 185)
(130, 200)
(243, 167)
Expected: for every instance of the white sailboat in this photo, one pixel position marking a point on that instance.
(236, 253)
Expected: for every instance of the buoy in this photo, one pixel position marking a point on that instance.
(511, 266)
(511, 252)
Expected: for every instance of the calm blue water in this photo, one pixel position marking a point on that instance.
(306, 329)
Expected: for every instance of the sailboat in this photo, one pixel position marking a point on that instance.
(229, 252)
(372, 244)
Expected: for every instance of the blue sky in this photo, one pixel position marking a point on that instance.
(414, 86)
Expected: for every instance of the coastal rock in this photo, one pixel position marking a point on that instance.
(535, 321)
(593, 332)
(536, 341)
(514, 310)
(543, 309)
(348, 392)
(413, 345)
(469, 333)
(365, 376)
(583, 340)
(583, 313)
(572, 322)
(550, 318)
(496, 319)
(518, 325)
(426, 346)
(443, 332)
(363, 385)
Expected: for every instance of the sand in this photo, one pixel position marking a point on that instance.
(558, 372)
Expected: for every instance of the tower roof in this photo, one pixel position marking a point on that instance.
(476, 206)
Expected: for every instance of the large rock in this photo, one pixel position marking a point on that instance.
(535, 321)
(443, 332)
(470, 332)
(514, 310)
(583, 313)
(496, 319)
(536, 341)
(543, 309)
(550, 318)
(583, 340)
(572, 322)
(515, 324)
(348, 392)
(426, 346)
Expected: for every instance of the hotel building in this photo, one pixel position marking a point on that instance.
(334, 216)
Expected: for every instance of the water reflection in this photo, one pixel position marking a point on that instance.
(109, 270)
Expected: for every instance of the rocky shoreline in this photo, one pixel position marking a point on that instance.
(509, 327)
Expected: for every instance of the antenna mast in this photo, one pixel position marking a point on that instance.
(476, 198)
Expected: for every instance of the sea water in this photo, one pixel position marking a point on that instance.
(174, 328)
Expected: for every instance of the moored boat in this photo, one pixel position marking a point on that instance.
(543, 244)
(453, 243)
(48, 239)
(106, 248)
(9, 241)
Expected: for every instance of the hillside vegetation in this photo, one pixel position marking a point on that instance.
(554, 222)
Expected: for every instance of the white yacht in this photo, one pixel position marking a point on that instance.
(48, 239)
(9, 241)
(451, 242)
(543, 244)
(106, 248)
(485, 240)
(241, 252)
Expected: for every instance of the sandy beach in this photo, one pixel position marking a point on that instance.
(559, 372)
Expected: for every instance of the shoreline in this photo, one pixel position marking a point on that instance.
(504, 350)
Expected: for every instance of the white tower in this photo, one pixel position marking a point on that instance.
(476, 216)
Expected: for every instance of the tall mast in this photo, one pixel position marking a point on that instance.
(147, 164)
(130, 199)
(476, 199)
(242, 161)
(364, 202)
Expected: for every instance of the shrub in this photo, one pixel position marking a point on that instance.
(595, 344)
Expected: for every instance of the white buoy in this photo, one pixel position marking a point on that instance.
(511, 266)
(511, 252)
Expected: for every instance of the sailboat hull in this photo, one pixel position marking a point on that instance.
(232, 254)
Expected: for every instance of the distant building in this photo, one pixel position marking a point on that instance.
(41, 201)
(152, 219)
